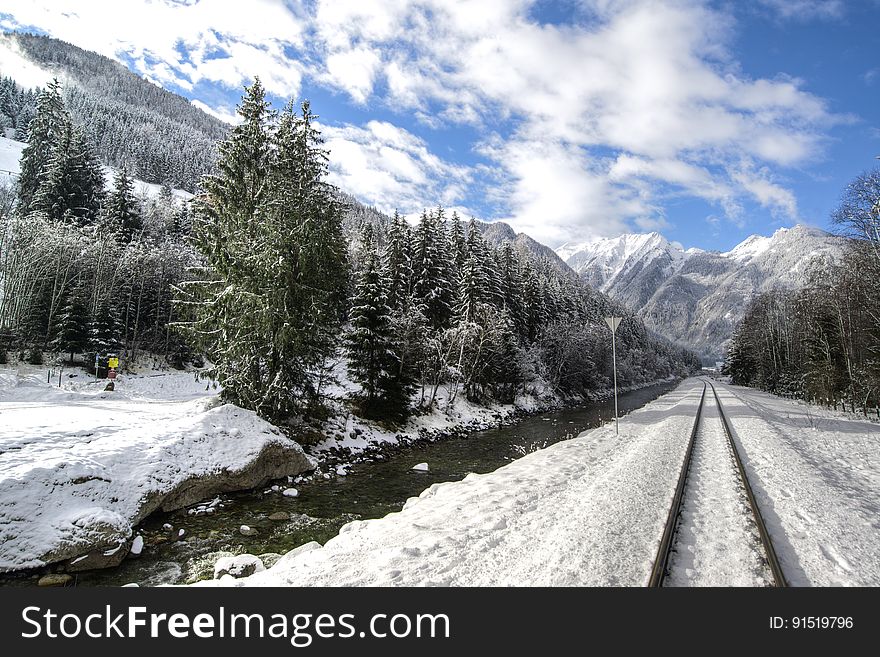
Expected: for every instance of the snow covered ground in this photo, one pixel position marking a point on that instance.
(717, 542)
(590, 511)
(79, 466)
(10, 166)
(816, 476)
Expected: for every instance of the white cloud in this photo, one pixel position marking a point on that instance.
(225, 114)
(392, 169)
(602, 120)
(227, 43)
(780, 201)
(654, 83)
(803, 10)
(354, 70)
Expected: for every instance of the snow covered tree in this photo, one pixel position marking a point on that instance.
(371, 343)
(268, 305)
(473, 284)
(398, 264)
(104, 329)
(73, 185)
(122, 214)
(72, 324)
(44, 132)
(432, 289)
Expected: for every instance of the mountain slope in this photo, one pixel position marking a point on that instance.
(159, 135)
(696, 297)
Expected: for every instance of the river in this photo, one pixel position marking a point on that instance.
(370, 490)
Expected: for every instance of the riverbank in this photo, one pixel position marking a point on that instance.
(81, 466)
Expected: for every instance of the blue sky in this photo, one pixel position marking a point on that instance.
(570, 119)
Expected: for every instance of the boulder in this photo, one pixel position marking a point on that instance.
(243, 565)
(55, 579)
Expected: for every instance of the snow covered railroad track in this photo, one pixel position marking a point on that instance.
(714, 534)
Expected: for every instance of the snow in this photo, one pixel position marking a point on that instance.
(750, 247)
(347, 432)
(77, 463)
(290, 492)
(588, 511)
(10, 154)
(591, 510)
(609, 258)
(15, 64)
(717, 543)
(816, 477)
(137, 545)
(237, 566)
(421, 467)
(10, 160)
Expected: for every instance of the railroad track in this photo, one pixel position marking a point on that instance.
(686, 490)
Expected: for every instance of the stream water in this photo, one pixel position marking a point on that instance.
(369, 490)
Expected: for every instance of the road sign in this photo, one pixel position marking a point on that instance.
(113, 362)
(111, 374)
(613, 323)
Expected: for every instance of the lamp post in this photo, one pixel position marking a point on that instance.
(613, 323)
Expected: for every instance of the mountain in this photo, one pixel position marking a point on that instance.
(697, 297)
(159, 135)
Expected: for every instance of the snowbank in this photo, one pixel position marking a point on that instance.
(80, 466)
(588, 511)
(816, 477)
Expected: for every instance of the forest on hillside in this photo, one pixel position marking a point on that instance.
(273, 274)
(822, 343)
(159, 136)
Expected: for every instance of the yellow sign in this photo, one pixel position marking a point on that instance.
(113, 363)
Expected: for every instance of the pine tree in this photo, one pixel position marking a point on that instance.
(473, 284)
(268, 307)
(371, 343)
(104, 328)
(122, 213)
(398, 264)
(432, 289)
(72, 187)
(44, 132)
(72, 324)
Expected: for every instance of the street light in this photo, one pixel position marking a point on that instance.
(613, 323)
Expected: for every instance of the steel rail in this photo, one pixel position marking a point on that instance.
(773, 561)
(658, 572)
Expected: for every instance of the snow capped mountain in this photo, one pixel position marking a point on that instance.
(697, 297)
(630, 265)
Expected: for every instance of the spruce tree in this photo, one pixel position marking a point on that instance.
(432, 289)
(268, 306)
(72, 187)
(398, 264)
(44, 132)
(122, 212)
(473, 284)
(72, 324)
(104, 328)
(371, 343)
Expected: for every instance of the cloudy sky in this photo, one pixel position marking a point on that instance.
(570, 119)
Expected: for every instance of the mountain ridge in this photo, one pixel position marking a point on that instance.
(696, 297)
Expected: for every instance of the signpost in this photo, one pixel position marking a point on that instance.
(613, 323)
